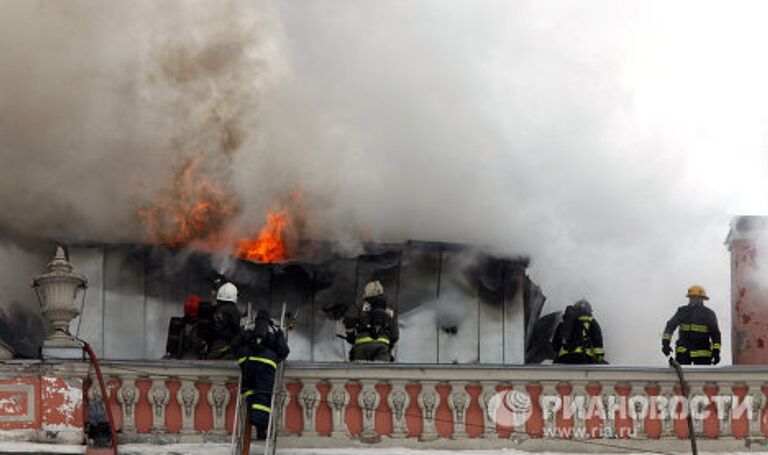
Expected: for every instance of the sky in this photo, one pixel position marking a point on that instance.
(612, 142)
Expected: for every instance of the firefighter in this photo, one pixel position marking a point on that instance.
(260, 346)
(226, 323)
(698, 341)
(374, 333)
(578, 338)
(184, 340)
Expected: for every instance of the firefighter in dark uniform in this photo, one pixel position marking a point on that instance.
(226, 323)
(578, 338)
(698, 341)
(260, 346)
(184, 340)
(374, 333)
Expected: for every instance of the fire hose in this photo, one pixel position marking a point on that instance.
(95, 362)
(684, 387)
(102, 387)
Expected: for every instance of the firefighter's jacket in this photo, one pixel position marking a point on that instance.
(258, 357)
(699, 333)
(578, 335)
(226, 325)
(375, 324)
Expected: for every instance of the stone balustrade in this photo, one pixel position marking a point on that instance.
(339, 404)
(539, 407)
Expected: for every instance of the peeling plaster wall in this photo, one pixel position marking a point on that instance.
(42, 402)
(62, 410)
(749, 306)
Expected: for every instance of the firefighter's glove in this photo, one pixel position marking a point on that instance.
(246, 323)
(666, 349)
(715, 356)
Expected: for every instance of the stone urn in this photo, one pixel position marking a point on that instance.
(57, 288)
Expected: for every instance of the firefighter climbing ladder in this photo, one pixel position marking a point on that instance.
(241, 413)
(242, 430)
(277, 388)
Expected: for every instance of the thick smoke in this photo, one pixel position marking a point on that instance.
(611, 145)
(21, 327)
(450, 311)
(103, 106)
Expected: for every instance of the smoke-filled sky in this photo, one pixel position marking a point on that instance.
(610, 141)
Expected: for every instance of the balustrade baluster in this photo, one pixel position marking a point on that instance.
(128, 396)
(158, 396)
(638, 408)
(369, 400)
(219, 397)
(550, 403)
(188, 397)
(755, 408)
(697, 406)
(575, 406)
(282, 400)
(519, 404)
(398, 401)
(724, 403)
(338, 397)
(610, 402)
(428, 401)
(665, 403)
(309, 398)
(458, 402)
(489, 406)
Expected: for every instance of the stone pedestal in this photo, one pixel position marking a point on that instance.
(57, 288)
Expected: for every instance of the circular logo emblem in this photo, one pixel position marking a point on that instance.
(519, 405)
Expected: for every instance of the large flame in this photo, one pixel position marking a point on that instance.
(193, 208)
(270, 245)
(196, 211)
(278, 237)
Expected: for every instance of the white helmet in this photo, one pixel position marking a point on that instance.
(227, 293)
(373, 289)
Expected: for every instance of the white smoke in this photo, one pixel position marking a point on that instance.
(17, 264)
(611, 144)
(450, 311)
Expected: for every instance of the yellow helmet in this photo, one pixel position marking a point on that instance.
(697, 291)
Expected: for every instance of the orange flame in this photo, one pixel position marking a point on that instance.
(192, 208)
(270, 245)
(196, 210)
(277, 240)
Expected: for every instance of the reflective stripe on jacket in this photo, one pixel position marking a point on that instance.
(269, 362)
(698, 330)
(362, 340)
